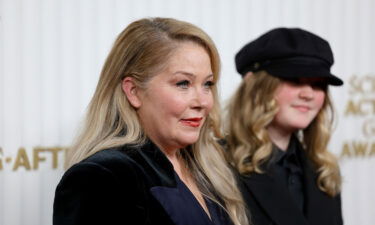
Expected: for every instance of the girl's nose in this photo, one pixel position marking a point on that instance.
(306, 92)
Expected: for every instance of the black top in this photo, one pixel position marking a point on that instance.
(288, 167)
(129, 185)
(183, 207)
(271, 200)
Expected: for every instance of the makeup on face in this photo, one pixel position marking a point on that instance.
(177, 100)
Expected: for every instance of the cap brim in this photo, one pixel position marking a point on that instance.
(303, 71)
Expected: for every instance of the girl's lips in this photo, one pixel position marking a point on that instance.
(192, 122)
(302, 108)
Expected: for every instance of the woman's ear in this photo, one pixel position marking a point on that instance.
(131, 92)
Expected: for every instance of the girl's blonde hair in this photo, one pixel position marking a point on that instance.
(252, 109)
(142, 50)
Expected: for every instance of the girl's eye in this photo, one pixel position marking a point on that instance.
(293, 82)
(183, 84)
(320, 86)
(209, 84)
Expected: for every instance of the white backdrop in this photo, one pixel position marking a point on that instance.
(51, 53)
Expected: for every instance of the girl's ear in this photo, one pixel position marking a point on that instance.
(247, 75)
(131, 92)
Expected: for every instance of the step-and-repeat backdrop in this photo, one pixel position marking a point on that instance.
(51, 53)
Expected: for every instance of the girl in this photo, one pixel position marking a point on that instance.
(279, 127)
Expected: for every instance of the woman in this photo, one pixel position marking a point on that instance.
(279, 127)
(148, 153)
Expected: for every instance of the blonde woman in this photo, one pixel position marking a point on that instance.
(147, 153)
(279, 127)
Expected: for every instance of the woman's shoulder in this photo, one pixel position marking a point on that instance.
(113, 160)
(114, 164)
(113, 157)
(99, 190)
(143, 163)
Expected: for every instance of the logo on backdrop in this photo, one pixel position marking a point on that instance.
(361, 107)
(34, 159)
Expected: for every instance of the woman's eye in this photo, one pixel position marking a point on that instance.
(209, 84)
(183, 84)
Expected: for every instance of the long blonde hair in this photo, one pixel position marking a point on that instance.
(140, 52)
(252, 109)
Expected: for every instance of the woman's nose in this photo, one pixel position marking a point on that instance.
(201, 98)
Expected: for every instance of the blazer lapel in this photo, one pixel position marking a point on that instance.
(274, 198)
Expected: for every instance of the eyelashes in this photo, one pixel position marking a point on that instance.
(209, 84)
(186, 84)
(183, 84)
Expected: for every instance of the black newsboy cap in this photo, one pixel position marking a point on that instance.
(288, 53)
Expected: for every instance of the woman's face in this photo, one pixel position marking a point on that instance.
(299, 102)
(177, 101)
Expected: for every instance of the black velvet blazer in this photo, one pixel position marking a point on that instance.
(270, 202)
(125, 185)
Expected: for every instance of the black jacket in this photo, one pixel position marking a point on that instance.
(270, 202)
(125, 185)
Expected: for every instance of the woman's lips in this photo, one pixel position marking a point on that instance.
(192, 122)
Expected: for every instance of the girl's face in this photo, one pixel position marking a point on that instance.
(299, 101)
